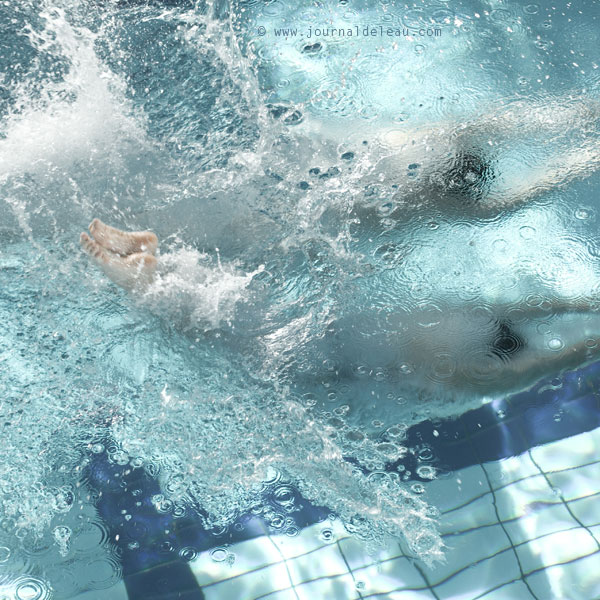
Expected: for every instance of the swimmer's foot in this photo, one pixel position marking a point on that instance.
(123, 243)
(130, 272)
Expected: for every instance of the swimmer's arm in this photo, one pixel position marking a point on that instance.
(555, 173)
(548, 307)
(546, 116)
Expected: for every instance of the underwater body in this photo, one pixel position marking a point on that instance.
(363, 238)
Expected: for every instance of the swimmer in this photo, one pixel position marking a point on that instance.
(463, 165)
(512, 356)
(128, 259)
(498, 354)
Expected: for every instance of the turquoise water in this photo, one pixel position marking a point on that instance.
(357, 237)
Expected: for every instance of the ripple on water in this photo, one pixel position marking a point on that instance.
(89, 537)
(29, 588)
(103, 572)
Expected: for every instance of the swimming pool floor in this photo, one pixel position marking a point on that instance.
(519, 528)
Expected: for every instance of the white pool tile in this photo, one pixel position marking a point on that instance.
(389, 576)
(249, 556)
(578, 580)
(464, 485)
(404, 595)
(595, 532)
(508, 470)
(479, 512)
(249, 586)
(402, 570)
(539, 519)
(563, 454)
(308, 540)
(357, 557)
(517, 499)
(586, 510)
(556, 548)
(343, 586)
(516, 590)
(281, 595)
(472, 582)
(577, 482)
(326, 562)
(468, 548)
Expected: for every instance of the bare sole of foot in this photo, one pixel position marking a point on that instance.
(123, 243)
(135, 270)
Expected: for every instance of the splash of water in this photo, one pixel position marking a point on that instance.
(156, 117)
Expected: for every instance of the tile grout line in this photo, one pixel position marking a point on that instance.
(287, 569)
(566, 504)
(337, 543)
(512, 546)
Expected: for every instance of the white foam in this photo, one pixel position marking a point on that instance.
(196, 290)
(81, 117)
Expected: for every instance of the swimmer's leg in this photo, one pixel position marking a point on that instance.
(123, 243)
(131, 272)
(529, 366)
(527, 359)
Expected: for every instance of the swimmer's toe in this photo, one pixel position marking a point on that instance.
(121, 242)
(93, 248)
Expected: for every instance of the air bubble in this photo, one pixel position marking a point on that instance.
(327, 535)
(119, 457)
(277, 521)
(556, 344)
(424, 543)
(219, 554)
(425, 454)
(341, 411)
(397, 432)
(31, 589)
(426, 472)
(62, 536)
(284, 496)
